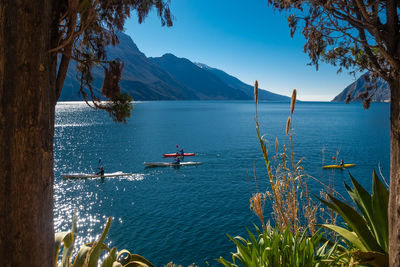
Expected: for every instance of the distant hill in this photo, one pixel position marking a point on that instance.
(205, 84)
(164, 78)
(248, 89)
(381, 95)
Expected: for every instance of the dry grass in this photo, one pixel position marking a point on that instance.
(257, 203)
(288, 194)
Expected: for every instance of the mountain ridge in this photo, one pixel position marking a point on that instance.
(382, 93)
(203, 83)
(263, 94)
(146, 78)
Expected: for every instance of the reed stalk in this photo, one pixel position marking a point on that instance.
(288, 195)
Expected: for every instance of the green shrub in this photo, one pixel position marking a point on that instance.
(366, 228)
(89, 253)
(273, 247)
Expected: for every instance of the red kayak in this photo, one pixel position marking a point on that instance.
(178, 154)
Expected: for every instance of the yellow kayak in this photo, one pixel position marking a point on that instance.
(338, 166)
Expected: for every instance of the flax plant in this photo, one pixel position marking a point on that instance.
(90, 254)
(289, 195)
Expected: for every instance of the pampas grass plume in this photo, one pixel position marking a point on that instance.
(256, 91)
(257, 202)
(288, 125)
(293, 101)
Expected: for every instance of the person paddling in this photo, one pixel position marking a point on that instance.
(177, 160)
(180, 153)
(101, 172)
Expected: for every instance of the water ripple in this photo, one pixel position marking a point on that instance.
(183, 214)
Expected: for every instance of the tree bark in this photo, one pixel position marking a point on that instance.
(27, 110)
(394, 200)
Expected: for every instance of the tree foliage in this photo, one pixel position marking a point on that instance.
(358, 35)
(83, 29)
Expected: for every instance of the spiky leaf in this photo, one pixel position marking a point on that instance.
(60, 237)
(350, 236)
(380, 200)
(373, 258)
(110, 259)
(67, 252)
(356, 222)
(140, 260)
(81, 256)
(98, 246)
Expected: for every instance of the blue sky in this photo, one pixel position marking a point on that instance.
(246, 39)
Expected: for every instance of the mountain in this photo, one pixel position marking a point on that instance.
(248, 89)
(382, 94)
(141, 78)
(164, 78)
(205, 84)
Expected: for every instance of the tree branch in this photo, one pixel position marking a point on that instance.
(371, 56)
(62, 70)
(361, 7)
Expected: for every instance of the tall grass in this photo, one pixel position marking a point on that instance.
(288, 192)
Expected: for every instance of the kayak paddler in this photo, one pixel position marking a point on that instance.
(101, 172)
(180, 152)
(177, 160)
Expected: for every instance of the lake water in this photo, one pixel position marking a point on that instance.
(183, 214)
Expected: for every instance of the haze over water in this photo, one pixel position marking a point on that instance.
(183, 214)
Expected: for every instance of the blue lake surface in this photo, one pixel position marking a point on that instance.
(183, 214)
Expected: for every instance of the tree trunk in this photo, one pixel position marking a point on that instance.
(394, 200)
(27, 108)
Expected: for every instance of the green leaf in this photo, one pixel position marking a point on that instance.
(364, 202)
(243, 252)
(351, 236)
(374, 208)
(252, 238)
(226, 263)
(110, 259)
(332, 250)
(321, 250)
(123, 260)
(373, 258)
(81, 256)
(59, 238)
(357, 223)
(140, 260)
(98, 246)
(380, 200)
(69, 248)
